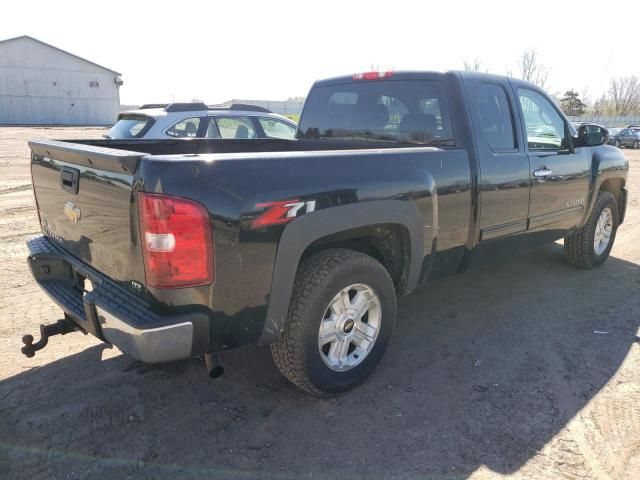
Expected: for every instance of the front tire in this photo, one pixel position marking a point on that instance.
(590, 246)
(340, 320)
(636, 145)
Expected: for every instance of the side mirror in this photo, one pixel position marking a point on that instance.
(591, 135)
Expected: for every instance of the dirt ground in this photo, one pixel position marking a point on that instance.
(524, 369)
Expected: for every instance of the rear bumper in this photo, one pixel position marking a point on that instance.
(111, 313)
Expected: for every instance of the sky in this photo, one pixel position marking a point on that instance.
(246, 49)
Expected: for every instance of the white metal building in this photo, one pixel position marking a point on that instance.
(43, 85)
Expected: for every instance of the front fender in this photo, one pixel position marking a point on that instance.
(607, 163)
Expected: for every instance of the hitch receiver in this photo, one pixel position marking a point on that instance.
(61, 327)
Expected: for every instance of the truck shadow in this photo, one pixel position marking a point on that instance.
(484, 369)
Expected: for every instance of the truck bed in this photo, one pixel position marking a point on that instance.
(202, 146)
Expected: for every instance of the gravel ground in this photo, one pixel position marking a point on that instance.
(495, 373)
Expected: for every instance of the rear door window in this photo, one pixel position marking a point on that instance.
(187, 128)
(397, 111)
(496, 117)
(235, 127)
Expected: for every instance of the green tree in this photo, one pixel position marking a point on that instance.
(571, 103)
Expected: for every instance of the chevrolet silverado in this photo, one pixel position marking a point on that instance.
(179, 248)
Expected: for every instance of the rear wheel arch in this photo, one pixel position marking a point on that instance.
(344, 226)
(389, 244)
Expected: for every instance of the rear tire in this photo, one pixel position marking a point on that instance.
(325, 282)
(590, 246)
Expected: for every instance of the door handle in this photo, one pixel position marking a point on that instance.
(543, 172)
(69, 178)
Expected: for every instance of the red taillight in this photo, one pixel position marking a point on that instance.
(176, 241)
(372, 75)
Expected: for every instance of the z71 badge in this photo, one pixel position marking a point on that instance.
(278, 213)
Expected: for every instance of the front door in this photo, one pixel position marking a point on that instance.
(559, 173)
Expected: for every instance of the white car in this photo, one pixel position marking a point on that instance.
(197, 120)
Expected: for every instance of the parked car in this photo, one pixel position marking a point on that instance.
(197, 120)
(629, 137)
(182, 248)
(613, 134)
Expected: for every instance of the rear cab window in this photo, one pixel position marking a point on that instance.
(395, 111)
(130, 126)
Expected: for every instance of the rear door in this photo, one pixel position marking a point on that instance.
(504, 164)
(559, 173)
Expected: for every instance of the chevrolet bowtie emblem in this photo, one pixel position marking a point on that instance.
(72, 212)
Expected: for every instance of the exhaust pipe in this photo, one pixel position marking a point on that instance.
(213, 362)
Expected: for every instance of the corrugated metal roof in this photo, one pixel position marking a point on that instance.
(58, 49)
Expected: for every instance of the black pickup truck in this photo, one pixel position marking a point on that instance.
(171, 249)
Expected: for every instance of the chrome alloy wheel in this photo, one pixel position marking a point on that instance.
(349, 327)
(602, 235)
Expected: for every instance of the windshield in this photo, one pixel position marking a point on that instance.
(130, 126)
(399, 111)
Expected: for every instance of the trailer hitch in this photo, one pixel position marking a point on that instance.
(61, 327)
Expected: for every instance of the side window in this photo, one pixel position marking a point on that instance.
(545, 127)
(186, 128)
(235, 127)
(495, 117)
(276, 129)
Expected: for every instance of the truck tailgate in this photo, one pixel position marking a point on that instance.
(86, 205)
